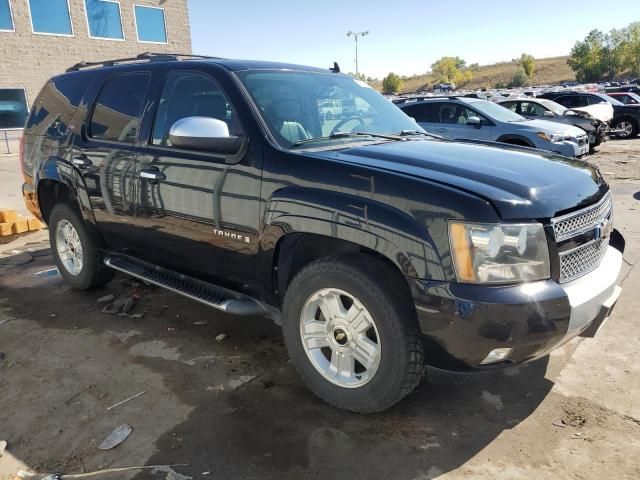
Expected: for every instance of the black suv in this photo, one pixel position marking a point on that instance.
(626, 118)
(379, 248)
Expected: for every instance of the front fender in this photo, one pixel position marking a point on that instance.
(361, 221)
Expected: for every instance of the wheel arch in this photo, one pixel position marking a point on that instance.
(511, 139)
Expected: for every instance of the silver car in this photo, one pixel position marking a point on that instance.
(475, 119)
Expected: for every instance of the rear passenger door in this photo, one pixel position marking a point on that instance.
(106, 154)
(202, 215)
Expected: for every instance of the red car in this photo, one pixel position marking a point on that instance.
(628, 98)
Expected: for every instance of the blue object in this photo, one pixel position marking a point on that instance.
(150, 24)
(6, 22)
(50, 16)
(104, 19)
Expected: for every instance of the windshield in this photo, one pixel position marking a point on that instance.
(635, 96)
(553, 106)
(611, 100)
(308, 108)
(496, 112)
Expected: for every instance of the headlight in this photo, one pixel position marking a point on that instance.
(551, 137)
(485, 253)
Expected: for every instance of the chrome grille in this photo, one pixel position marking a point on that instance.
(580, 261)
(575, 223)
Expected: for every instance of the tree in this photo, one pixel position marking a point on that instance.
(520, 78)
(451, 69)
(587, 57)
(392, 83)
(359, 76)
(528, 63)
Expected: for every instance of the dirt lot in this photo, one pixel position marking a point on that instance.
(234, 409)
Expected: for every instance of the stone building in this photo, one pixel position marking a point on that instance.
(42, 38)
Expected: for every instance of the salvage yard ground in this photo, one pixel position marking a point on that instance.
(233, 408)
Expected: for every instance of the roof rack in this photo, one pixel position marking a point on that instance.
(147, 56)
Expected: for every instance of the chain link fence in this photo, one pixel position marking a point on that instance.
(10, 141)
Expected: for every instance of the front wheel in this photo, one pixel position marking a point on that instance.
(76, 250)
(628, 128)
(352, 333)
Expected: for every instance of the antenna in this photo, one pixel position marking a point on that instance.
(335, 68)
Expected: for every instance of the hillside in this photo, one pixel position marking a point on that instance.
(548, 71)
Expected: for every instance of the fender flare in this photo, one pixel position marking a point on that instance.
(509, 136)
(360, 221)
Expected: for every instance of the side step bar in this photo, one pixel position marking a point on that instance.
(211, 295)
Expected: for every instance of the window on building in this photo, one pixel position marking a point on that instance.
(13, 108)
(6, 19)
(117, 112)
(103, 19)
(150, 24)
(51, 17)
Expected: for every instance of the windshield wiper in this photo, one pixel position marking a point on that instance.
(408, 133)
(347, 135)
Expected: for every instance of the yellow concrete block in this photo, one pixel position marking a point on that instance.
(6, 229)
(34, 224)
(8, 216)
(21, 225)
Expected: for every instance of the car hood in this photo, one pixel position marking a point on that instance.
(576, 121)
(521, 183)
(551, 127)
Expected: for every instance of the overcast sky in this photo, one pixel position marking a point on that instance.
(405, 39)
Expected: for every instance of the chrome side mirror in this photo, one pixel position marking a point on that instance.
(204, 134)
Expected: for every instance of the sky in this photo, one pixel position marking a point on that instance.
(406, 36)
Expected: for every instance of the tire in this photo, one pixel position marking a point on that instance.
(89, 272)
(355, 281)
(629, 125)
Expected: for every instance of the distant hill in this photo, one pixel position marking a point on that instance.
(548, 71)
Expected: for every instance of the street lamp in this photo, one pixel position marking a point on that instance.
(355, 35)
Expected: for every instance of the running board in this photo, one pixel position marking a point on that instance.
(211, 295)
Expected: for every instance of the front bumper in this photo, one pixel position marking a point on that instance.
(570, 149)
(461, 324)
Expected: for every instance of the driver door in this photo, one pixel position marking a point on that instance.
(199, 210)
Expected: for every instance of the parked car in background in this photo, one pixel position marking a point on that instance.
(378, 248)
(626, 118)
(628, 98)
(475, 119)
(544, 109)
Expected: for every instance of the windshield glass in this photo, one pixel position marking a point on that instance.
(496, 112)
(635, 96)
(609, 99)
(553, 106)
(306, 108)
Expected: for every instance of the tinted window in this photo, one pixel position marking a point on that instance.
(58, 101)
(116, 115)
(6, 21)
(13, 108)
(573, 101)
(103, 17)
(191, 95)
(150, 24)
(531, 109)
(50, 16)
(456, 113)
(422, 112)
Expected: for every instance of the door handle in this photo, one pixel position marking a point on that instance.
(152, 174)
(81, 161)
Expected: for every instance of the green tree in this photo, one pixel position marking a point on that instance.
(631, 50)
(392, 83)
(451, 69)
(520, 78)
(587, 57)
(528, 63)
(359, 76)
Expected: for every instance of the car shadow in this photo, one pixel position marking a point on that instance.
(269, 425)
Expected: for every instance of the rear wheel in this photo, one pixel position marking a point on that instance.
(76, 250)
(352, 333)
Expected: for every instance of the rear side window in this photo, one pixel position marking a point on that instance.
(422, 112)
(116, 115)
(57, 104)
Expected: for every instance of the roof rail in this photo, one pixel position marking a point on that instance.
(147, 56)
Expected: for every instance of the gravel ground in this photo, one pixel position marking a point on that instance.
(234, 409)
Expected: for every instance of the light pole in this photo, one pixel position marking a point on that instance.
(355, 35)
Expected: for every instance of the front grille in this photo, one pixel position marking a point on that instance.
(582, 260)
(575, 223)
